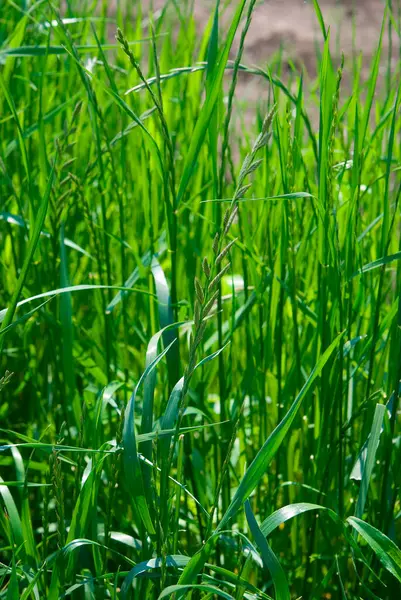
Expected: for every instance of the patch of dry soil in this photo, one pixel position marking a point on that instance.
(354, 24)
(293, 25)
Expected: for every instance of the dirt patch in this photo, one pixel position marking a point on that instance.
(292, 25)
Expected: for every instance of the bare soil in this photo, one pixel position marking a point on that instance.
(293, 26)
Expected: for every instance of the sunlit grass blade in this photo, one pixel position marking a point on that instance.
(368, 458)
(387, 552)
(175, 561)
(258, 467)
(132, 466)
(35, 234)
(210, 589)
(207, 109)
(269, 558)
(282, 515)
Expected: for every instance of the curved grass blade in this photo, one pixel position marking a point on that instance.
(290, 196)
(105, 398)
(320, 18)
(171, 413)
(203, 121)
(10, 101)
(387, 552)
(85, 504)
(259, 465)
(65, 553)
(238, 580)
(35, 51)
(26, 521)
(40, 218)
(67, 290)
(372, 85)
(16, 530)
(168, 421)
(174, 561)
(211, 589)
(367, 458)
(154, 148)
(17, 220)
(24, 317)
(47, 118)
(132, 466)
(135, 275)
(148, 394)
(384, 260)
(67, 334)
(166, 318)
(284, 514)
(269, 558)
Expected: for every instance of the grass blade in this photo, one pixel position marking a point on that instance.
(260, 463)
(269, 558)
(33, 242)
(202, 123)
(387, 552)
(132, 468)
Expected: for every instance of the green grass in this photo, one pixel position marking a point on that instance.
(200, 336)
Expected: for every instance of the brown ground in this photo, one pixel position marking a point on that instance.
(293, 25)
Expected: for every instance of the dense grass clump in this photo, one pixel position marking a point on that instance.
(200, 336)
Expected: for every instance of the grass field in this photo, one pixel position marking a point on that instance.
(200, 336)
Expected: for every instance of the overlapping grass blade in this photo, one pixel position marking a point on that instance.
(269, 558)
(387, 552)
(260, 463)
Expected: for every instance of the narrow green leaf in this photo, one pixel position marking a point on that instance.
(35, 234)
(291, 196)
(26, 520)
(387, 552)
(105, 399)
(269, 558)
(320, 18)
(166, 318)
(174, 561)
(202, 123)
(385, 260)
(372, 81)
(132, 468)
(16, 533)
(259, 465)
(13, 587)
(367, 458)
(135, 275)
(86, 501)
(211, 589)
(68, 290)
(153, 147)
(26, 51)
(284, 514)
